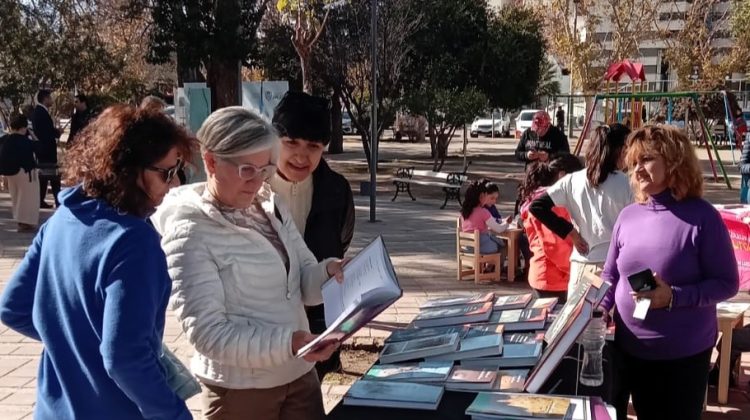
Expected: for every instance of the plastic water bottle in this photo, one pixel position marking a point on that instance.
(592, 341)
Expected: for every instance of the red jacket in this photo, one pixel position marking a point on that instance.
(549, 268)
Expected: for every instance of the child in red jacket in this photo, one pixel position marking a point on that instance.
(549, 266)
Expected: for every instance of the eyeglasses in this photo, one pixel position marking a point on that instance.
(168, 174)
(248, 172)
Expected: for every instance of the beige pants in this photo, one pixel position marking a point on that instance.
(300, 399)
(578, 269)
(24, 196)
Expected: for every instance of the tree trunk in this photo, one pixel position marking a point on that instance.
(305, 64)
(336, 145)
(433, 142)
(224, 81)
(188, 74)
(366, 147)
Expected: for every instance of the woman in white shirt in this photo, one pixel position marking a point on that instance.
(594, 198)
(242, 275)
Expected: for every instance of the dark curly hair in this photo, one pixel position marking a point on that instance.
(113, 150)
(473, 192)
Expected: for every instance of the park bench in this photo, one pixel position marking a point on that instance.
(450, 182)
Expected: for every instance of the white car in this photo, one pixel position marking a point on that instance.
(483, 126)
(523, 121)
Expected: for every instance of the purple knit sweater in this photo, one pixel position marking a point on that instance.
(687, 244)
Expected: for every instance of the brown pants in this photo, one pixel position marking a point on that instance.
(298, 400)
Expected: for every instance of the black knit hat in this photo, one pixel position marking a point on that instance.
(305, 117)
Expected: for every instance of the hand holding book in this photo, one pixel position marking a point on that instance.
(322, 352)
(335, 269)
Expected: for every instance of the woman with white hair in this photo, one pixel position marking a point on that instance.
(242, 275)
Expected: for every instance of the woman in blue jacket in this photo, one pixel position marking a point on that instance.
(93, 287)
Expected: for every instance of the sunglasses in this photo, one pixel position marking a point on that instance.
(168, 174)
(249, 172)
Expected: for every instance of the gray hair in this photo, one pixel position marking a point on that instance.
(236, 131)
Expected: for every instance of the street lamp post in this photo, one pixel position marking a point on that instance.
(374, 111)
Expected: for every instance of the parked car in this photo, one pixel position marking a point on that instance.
(523, 121)
(483, 125)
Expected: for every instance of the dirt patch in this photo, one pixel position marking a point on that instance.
(355, 363)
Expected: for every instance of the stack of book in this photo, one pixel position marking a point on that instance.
(515, 406)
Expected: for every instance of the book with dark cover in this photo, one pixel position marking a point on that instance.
(511, 302)
(418, 349)
(427, 372)
(479, 330)
(453, 315)
(458, 300)
(521, 319)
(523, 337)
(471, 379)
(481, 346)
(415, 333)
(514, 355)
(544, 303)
(512, 406)
(394, 394)
(511, 380)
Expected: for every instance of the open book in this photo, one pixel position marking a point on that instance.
(370, 286)
(569, 324)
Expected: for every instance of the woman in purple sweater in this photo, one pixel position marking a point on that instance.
(681, 238)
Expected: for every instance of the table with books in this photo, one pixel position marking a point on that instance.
(482, 357)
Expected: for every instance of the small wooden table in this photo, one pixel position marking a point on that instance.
(511, 235)
(729, 315)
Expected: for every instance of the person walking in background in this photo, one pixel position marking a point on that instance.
(681, 239)
(594, 198)
(549, 267)
(93, 286)
(242, 276)
(541, 141)
(80, 117)
(46, 148)
(18, 164)
(560, 117)
(320, 199)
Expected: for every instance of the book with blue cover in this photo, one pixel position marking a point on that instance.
(521, 319)
(423, 372)
(481, 346)
(479, 330)
(514, 355)
(458, 300)
(503, 303)
(417, 349)
(394, 394)
(453, 315)
(415, 333)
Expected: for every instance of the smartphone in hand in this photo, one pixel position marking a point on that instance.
(642, 281)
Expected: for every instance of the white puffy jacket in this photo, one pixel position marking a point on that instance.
(231, 292)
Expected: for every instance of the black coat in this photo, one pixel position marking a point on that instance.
(46, 133)
(330, 223)
(553, 142)
(16, 154)
(78, 121)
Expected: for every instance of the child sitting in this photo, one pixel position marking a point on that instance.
(475, 216)
(549, 266)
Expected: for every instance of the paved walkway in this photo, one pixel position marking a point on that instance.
(420, 239)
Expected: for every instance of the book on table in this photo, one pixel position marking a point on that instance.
(406, 334)
(453, 315)
(511, 302)
(523, 337)
(520, 319)
(514, 355)
(370, 286)
(422, 372)
(458, 300)
(420, 348)
(483, 345)
(471, 379)
(544, 303)
(394, 394)
(515, 406)
(479, 330)
(569, 324)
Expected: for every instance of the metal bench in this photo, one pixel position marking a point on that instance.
(450, 182)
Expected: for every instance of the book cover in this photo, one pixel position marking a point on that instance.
(411, 372)
(458, 300)
(415, 333)
(394, 392)
(454, 311)
(420, 348)
(461, 374)
(525, 406)
(525, 350)
(512, 302)
(523, 337)
(511, 380)
(544, 303)
(479, 330)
